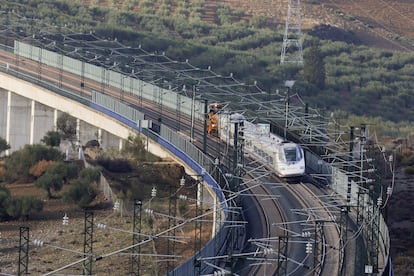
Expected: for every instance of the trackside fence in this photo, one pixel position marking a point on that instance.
(124, 114)
(374, 228)
(127, 83)
(336, 178)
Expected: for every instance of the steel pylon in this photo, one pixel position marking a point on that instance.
(292, 40)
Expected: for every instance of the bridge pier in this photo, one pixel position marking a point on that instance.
(26, 121)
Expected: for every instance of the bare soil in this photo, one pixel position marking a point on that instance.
(64, 244)
(400, 220)
(376, 23)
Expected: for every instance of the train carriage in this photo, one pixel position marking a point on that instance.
(285, 158)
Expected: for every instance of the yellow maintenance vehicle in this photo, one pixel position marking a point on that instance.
(212, 117)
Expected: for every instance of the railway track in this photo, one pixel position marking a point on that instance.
(264, 245)
(321, 224)
(264, 197)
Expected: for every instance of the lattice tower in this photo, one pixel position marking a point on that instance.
(292, 39)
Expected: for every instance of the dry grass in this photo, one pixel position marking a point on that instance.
(63, 245)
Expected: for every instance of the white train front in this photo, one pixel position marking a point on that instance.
(285, 158)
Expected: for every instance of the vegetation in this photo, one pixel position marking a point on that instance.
(19, 164)
(3, 145)
(4, 196)
(406, 160)
(55, 176)
(52, 138)
(66, 125)
(356, 83)
(44, 165)
(23, 207)
(84, 189)
(314, 67)
(135, 149)
(339, 74)
(17, 207)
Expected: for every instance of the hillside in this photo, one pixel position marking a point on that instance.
(380, 24)
(377, 23)
(374, 86)
(363, 77)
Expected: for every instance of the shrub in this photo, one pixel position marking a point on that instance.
(3, 145)
(52, 138)
(81, 193)
(23, 207)
(90, 174)
(114, 165)
(4, 197)
(19, 164)
(409, 170)
(41, 167)
(407, 159)
(50, 181)
(55, 176)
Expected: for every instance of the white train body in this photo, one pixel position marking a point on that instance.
(285, 158)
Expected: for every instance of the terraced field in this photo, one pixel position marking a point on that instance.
(377, 23)
(394, 16)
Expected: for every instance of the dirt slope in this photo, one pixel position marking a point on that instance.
(378, 23)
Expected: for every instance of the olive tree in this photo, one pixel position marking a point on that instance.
(52, 138)
(314, 67)
(3, 145)
(84, 189)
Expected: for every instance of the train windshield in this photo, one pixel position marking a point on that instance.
(292, 154)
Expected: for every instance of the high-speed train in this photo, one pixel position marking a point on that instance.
(285, 158)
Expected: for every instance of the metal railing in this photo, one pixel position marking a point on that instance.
(336, 178)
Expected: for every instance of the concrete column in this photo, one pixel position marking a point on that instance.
(32, 121)
(121, 144)
(18, 121)
(109, 141)
(3, 113)
(87, 132)
(100, 136)
(43, 121)
(8, 120)
(78, 141)
(55, 117)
